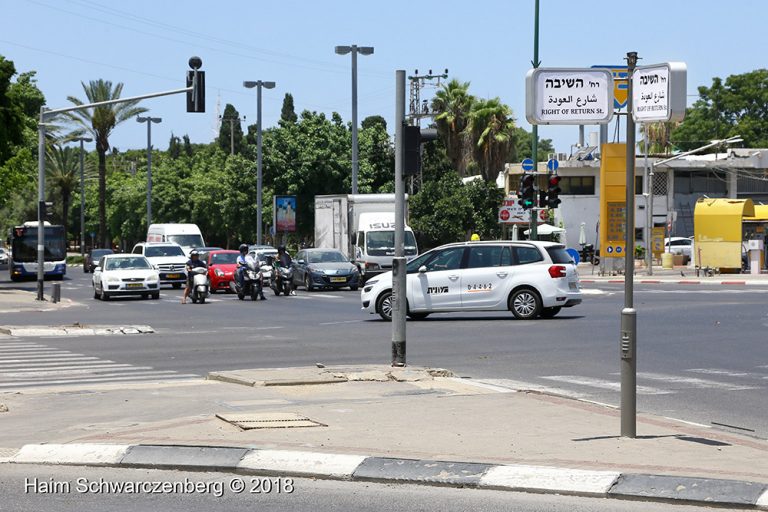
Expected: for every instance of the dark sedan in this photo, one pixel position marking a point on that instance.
(92, 259)
(324, 268)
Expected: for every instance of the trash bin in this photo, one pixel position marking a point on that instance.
(666, 260)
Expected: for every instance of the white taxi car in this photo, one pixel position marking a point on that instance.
(528, 278)
(125, 274)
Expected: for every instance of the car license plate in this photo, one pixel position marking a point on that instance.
(573, 285)
(173, 276)
(338, 279)
(134, 285)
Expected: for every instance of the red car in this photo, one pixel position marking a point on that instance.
(221, 269)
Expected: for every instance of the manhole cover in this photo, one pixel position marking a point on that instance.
(249, 421)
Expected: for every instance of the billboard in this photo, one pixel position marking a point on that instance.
(284, 211)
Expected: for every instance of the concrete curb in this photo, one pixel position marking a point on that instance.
(538, 479)
(74, 330)
(641, 280)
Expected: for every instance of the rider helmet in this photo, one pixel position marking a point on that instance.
(243, 248)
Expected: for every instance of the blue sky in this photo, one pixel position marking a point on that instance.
(146, 45)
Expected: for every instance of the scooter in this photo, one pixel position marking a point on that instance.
(252, 281)
(282, 280)
(199, 290)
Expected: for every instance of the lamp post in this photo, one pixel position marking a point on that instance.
(258, 84)
(149, 121)
(354, 50)
(82, 194)
(649, 193)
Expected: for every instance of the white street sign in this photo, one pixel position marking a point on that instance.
(659, 92)
(568, 96)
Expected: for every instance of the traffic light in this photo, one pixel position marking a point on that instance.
(526, 194)
(196, 97)
(553, 190)
(44, 210)
(413, 138)
(542, 198)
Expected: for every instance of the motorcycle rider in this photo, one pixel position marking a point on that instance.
(284, 260)
(242, 263)
(193, 262)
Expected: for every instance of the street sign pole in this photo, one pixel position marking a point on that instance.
(628, 346)
(533, 226)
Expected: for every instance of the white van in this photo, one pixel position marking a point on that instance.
(188, 236)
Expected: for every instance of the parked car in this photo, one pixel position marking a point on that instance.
(529, 278)
(221, 269)
(168, 258)
(324, 268)
(678, 245)
(125, 274)
(3, 257)
(92, 258)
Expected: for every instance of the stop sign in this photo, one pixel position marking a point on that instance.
(504, 215)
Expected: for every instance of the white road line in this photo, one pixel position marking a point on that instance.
(84, 367)
(105, 379)
(325, 296)
(79, 371)
(604, 384)
(26, 351)
(21, 345)
(694, 382)
(62, 353)
(57, 363)
(117, 373)
(342, 322)
(57, 359)
(715, 371)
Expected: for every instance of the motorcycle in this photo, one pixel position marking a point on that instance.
(199, 290)
(588, 254)
(251, 281)
(282, 279)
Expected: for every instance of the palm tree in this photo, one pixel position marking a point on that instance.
(99, 122)
(63, 170)
(454, 103)
(492, 131)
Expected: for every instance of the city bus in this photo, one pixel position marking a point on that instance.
(23, 245)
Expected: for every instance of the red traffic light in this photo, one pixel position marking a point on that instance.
(554, 181)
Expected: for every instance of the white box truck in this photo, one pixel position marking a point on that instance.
(362, 226)
(188, 236)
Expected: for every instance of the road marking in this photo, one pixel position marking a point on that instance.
(91, 370)
(95, 366)
(159, 378)
(604, 384)
(325, 296)
(59, 362)
(715, 371)
(694, 382)
(342, 322)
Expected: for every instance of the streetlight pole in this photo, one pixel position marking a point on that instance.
(258, 84)
(82, 193)
(149, 121)
(354, 50)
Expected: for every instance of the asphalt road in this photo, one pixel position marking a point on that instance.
(83, 490)
(702, 352)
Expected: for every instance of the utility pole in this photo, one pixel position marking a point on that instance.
(398, 298)
(231, 130)
(82, 193)
(149, 121)
(534, 224)
(628, 343)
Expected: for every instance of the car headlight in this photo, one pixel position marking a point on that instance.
(112, 279)
(368, 288)
(219, 272)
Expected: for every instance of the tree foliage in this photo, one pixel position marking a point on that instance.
(288, 112)
(230, 132)
(736, 106)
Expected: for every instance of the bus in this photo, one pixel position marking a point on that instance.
(23, 258)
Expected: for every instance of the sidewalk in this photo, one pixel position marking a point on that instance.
(361, 423)
(22, 298)
(676, 275)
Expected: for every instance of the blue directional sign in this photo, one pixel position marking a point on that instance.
(552, 164)
(527, 164)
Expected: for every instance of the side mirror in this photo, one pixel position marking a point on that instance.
(422, 269)
(301, 262)
(97, 269)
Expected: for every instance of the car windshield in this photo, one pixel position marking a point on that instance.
(382, 243)
(187, 240)
(559, 255)
(127, 263)
(224, 258)
(325, 257)
(165, 250)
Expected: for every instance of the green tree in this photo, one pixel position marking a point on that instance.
(734, 107)
(99, 122)
(63, 175)
(230, 132)
(493, 135)
(174, 147)
(371, 121)
(441, 212)
(454, 104)
(522, 150)
(288, 112)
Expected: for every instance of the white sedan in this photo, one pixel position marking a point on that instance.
(530, 279)
(125, 274)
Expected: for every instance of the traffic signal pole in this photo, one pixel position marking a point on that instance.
(399, 301)
(535, 143)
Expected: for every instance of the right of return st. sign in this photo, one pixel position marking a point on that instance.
(659, 92)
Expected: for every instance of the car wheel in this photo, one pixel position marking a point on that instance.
(550, 312)
(213, 290)
(417, 316)
(384, 305)
(353, 288)
(104, 295)
(177, 285)
(95, 293)
(308, 283)
(156, 295)
(525, 304)
(202, 299)
(145, 296)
